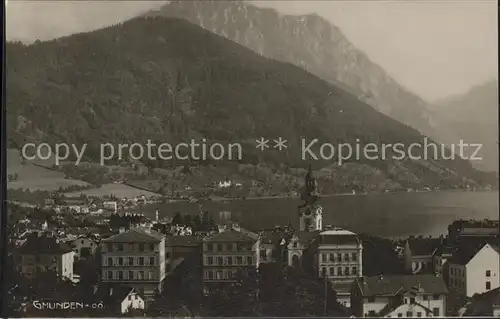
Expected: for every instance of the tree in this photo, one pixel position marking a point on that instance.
(177, 220)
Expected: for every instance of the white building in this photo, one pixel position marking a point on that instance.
(340, 256)
(404, 296)
(120, 300)
(474, 271)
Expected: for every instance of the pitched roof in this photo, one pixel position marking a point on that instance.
(424, 246)
(482, 305)
(136, 235)
(465, 253)
(390, 285)
(232, 235)
(40, 245)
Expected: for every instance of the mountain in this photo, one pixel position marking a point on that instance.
(472, 117)
(167, 80)
(310, 42)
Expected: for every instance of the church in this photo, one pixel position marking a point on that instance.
(333, 253)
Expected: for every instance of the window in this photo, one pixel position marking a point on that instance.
(372, 313)
(141, 261)
(239, 260)
(354, 257)
(151, 260)
(230, 260)
(129, 297)
(332, 271)
(488, 273)
(120, 261)
(210, 274)
(152, 247)
(167, 254)
(339, 271)
(488, 285)
(346, 257)
(435, 311)
(120, 275)
(219, 247)
(120, 247)
(409, 314)
(141, 275)
(346, 271)
(130, 275)
(219, 260)
(412, 300)
(323, 271)
(339, 257)
(323, 257)
(400, 315)
(435, 297)
(419, 314)
(130, 261)
(424, 297)
(141, 247)
(210, 260)
(332, 258)
(81, 241)
(110, 261)
(110, 275)
(354, 271)
(249, 260)
(150, 275)
(218, 275)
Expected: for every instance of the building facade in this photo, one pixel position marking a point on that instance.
(225, 253)
(340, 260)
(39, 254)
(135, 258)
(474, 271)
(404, 296)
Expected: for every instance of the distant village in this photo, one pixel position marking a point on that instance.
(89, 256)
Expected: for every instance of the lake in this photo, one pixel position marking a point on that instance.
(390, 215)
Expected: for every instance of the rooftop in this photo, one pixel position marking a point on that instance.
(390, 285)
(40, 245)
(337, 231)
(424, 246)
(136, 235)
(466, 252)
(233, 235)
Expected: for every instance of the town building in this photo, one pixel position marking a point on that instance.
(473, 231)
(119, 300)
(84, 247)
(40, 253)
(340, 260)
(419, 254)
(441, 257)
(484, 305)
(273, 246)
(135, 258)
(421, 295)
(302, 250)
(180, 248)
(474, 271)
(226, 252)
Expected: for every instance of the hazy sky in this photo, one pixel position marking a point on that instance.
(434, 48)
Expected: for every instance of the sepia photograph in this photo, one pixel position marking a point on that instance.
(240, 158)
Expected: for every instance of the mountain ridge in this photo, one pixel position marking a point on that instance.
(311, 42)
(167, 79)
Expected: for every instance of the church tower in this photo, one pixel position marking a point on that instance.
(311, 211)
